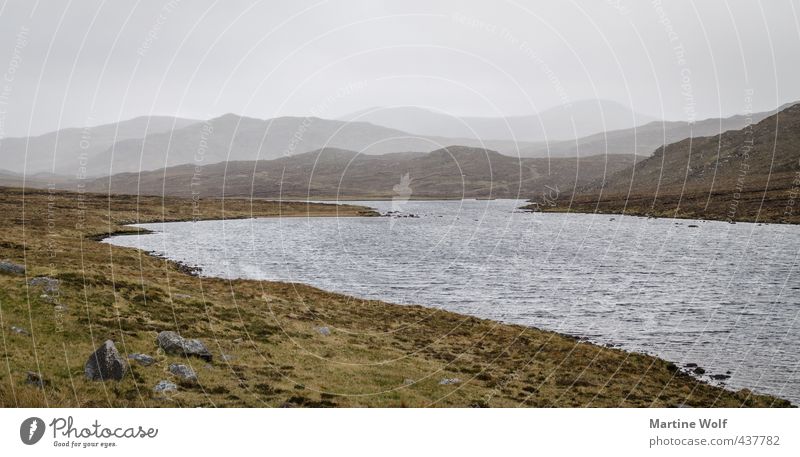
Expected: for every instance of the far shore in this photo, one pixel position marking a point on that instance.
(775, 206)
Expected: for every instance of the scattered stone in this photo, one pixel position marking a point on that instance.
(165, 386)
(720, 377)
(699, 370)
(19, 330)
(11, 268)
(50, 285)
(692, 226)
(186, 375)
(35, 379)
(690, 365)
(172, 343)
(324, 331)
(449, 381)
(744, 393)
(142, 359)
(408, 381)
(106, 363)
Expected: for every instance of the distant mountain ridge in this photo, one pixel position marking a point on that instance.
(749, 174)
(152, 143)
(645, 139)
(67, 150)
(452, 172)
(578, 119)
(747, 158)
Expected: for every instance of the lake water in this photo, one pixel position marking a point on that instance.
(724, 296)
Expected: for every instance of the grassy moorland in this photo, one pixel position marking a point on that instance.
(283, 344)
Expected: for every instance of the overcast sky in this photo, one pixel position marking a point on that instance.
(90, 62)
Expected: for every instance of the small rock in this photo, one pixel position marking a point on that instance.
(692, 226)
(408, 381)
(699, 370)
(12, 268)
(172, 343)
(34, 379)
(186, 375)
(449, 381)
(690, 365)
(50, 285)
(165, 386)
(142, 359)
(720, 377)
(746, 393)
(324, 331)
(105, 364)
(19, 330)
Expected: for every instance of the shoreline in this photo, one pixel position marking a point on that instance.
(773, 206)
(526, 209)
(280, 344)
(689, 369)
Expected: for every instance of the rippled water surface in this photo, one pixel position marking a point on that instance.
(724, 296)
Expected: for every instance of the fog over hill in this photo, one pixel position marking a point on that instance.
(451, 172)
(645, 139)
(578, 119)
(750, 174)
(152, 143)
(63, 151)
(747, 158)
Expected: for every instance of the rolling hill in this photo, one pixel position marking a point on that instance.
(740, 175)
(579, 119)
(451, 172)
(236, 138)
(66, 150)
(644, 139)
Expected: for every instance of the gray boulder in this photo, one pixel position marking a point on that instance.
(449, 381)
(11, 268)
(165, 386)
(324, 331)
(106, 363)
(35, 379)
(172, 343)
(186, 375)
(142, 359)
(49, 285)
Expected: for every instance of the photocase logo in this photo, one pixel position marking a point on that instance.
(402, 193)
(31, 430)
